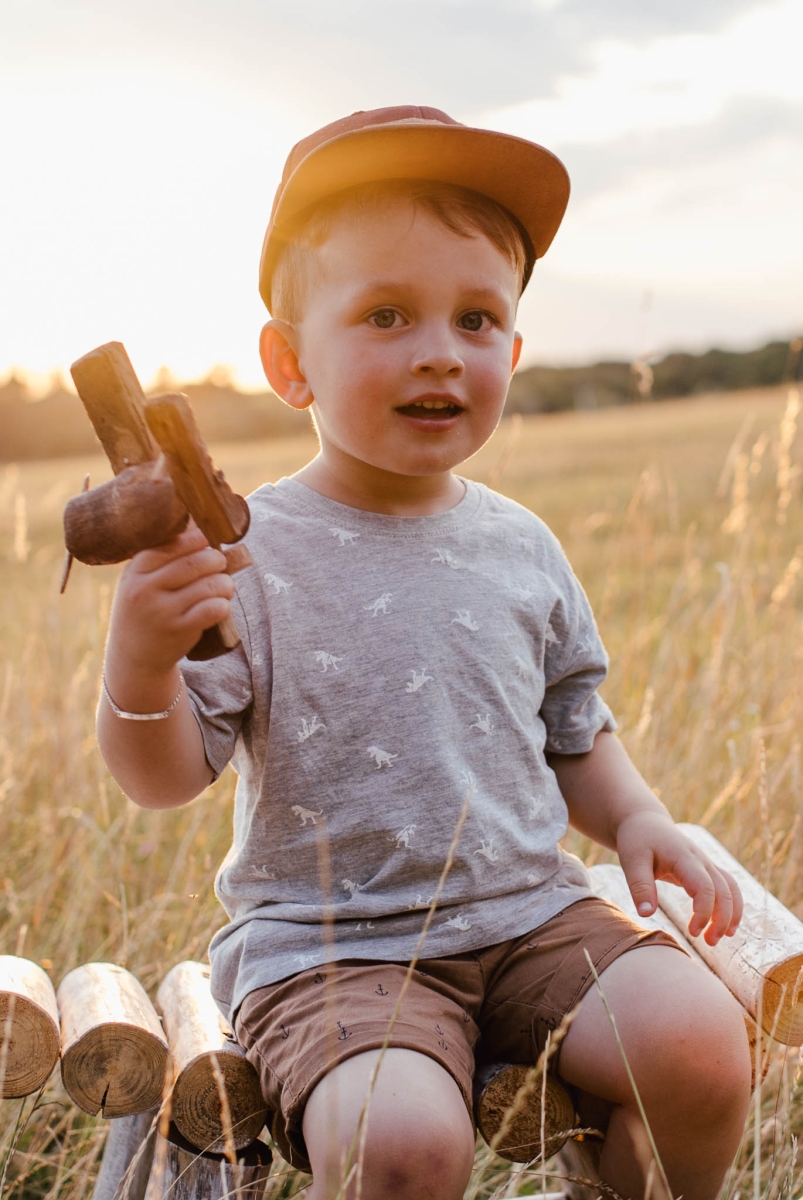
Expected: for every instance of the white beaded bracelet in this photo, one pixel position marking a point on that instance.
(157, 716)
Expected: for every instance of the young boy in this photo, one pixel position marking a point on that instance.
(416, 691)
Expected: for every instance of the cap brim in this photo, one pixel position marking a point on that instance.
(528, 180)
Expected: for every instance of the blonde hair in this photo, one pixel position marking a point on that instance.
(459, 209)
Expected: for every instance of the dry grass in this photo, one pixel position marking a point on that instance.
(683, 522)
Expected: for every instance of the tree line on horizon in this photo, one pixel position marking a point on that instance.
(56, 426)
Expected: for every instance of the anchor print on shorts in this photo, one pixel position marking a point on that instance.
(327, 660)
(305, 814)
(380, 991)
(381, 757)
(344, 536)
(418, 680)
(380, 605)
(278, 585)
(308, 727)
(344, 1032)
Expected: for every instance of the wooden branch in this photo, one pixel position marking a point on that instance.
(115, 403)
(179, 1172)
(498, 1090)
(127, 1157)
(113, 1052)
(220, 514)
(201, 1048)
(762, 963)
(29, 1027)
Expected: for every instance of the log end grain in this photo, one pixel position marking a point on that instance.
(196, 1106)
(782, 1001)
(29, 1045)
(116, 1068)
(496, 1090)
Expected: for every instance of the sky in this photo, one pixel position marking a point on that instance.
(142, 143)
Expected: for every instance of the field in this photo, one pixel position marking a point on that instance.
(683, 521)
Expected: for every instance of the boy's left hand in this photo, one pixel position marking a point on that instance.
(609, 801)
(650, 847)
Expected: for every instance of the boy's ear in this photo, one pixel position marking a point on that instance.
(278, 349)
(518, 341)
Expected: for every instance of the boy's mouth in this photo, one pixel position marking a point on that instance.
(431, 408)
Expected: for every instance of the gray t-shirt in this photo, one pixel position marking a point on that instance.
(395, 672)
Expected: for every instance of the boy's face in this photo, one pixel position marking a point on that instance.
(405, 348)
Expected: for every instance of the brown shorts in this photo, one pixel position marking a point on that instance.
(496, 1004)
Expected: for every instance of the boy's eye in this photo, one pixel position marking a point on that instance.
(475, 322)
(384, 318)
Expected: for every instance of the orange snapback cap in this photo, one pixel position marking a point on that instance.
(411, 142)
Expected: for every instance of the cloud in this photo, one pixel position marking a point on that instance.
(322, 58)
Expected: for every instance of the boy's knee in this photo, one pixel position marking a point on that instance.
(699, 1059)
(416, 1142)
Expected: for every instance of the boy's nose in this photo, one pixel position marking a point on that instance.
(437, 355)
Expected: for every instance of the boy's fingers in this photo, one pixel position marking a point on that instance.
(712, 899)
(640, 876)
(187, 542)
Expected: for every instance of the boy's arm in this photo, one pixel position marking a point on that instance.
(165, 599)
(609, 801)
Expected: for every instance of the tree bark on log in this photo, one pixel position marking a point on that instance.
(205, 1062)
(127, 1158)
(29, 1027)
(113, 1052)
(762, 964)
(180, 1172)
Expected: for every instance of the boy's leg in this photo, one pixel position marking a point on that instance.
(686, 1044)
(416, 1143)
(314, 1040)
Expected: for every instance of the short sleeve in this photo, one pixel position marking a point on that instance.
(575, 665)
(220, 692)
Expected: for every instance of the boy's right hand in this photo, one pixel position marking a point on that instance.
(165, 599)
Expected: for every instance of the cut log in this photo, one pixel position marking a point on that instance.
(113, 1052)
(762, 963)
(29, 1027)
(127, 1158)
(205, 1062)
(507, 1109)
(179, 1172)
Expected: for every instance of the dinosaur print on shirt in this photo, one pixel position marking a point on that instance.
(309, 727)
(380, 605)
(465, 619)
(344, 536)
(327, 660)
(306, 814)
(278, 585)
(381, 757)
(418, 680)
